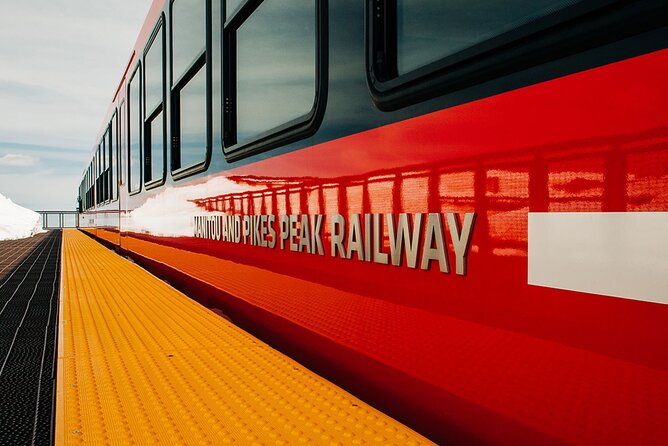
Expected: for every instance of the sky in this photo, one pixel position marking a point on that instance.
(60, 64)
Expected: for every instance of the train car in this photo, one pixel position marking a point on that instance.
(455, 210)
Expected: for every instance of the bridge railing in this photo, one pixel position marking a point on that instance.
(59, 219)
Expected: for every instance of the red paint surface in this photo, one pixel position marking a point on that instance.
(484, 357)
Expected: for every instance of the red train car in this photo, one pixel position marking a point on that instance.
(455, 210)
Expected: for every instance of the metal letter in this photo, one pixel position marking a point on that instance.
(237, 229)
(355, 238)
(367, 237)
(402, 237)
(338, 232)
(304, 235)
(378, 255)
(293, 232)
(272, 232)
(316, 236)
(461, 239)
(263, 233)
(284, 223)
(246, 228)
(434, 234)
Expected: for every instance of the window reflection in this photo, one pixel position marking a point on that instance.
(188, 34)
(231, 6)
(275, 65)
(189, 77)
(134, 99)
(193, 120)
(157, 148)
(429, 30)
(154, 126)
(153, 74)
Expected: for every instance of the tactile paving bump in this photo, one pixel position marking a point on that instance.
(141, 363)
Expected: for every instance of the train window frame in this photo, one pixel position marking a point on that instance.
(122, 161)
(573, 29)
(161, 109)
(136, 72)
(104, 142)
(114, 142)
(288, 132)
(176, 85)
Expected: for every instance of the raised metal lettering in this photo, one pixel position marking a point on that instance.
(434, 234)
(404, 237)
(378, 255)
(316, 235)
(338, 231)
(271, 243)
(304, 235)
(284, 223)
(461, 239)
(355, 238)
(293, 232)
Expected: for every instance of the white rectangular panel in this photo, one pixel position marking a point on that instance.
(620, 254)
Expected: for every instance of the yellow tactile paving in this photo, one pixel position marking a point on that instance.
(141, 363)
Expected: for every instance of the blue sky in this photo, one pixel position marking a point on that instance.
(61, 63)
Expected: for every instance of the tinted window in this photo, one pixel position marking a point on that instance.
(153, 73)
(189, 88)
(188, 35)
(276, 64)
(134, 137)
(192, 117)
(113, 144)
(153, 127)
(231, 6)
(121, 142)
(430, 30)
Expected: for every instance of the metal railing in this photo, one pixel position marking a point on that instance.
(59, 219)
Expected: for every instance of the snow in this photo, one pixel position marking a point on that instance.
(17, 222)
(170, 212)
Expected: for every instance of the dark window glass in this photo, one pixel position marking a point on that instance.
(134, 137)
(153, 73)
(106, 151)
(153, 125)
(192, 117)
(189, 89)
(155, 145)
(113, 157)
(121, 142)
(188, 35)
(231, 6)
(429, 30)
(276, 64)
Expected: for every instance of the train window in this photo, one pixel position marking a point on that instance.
(431, 47)
(273, 55)
(190, 103)
(112, 143)
(437, 29)
(134, 132)
(121, 143)
(231, 6)
(154, 128)
(106, 150)
(98, 175)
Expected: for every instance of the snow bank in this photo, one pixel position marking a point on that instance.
(16, 221)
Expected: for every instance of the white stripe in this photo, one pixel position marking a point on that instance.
(620, 254)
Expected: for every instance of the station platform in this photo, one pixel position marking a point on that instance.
(139, 362)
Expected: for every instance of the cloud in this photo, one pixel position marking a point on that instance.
(18, 160)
